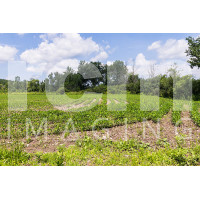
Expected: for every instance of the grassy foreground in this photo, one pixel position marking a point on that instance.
(103, 152)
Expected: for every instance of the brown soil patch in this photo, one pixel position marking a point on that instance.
(117, 102)
(100, 101)
(41, 144)
(94, 100)
(108, 101)
(76, 106)
(189, 129)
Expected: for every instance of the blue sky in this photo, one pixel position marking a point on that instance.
(128, 45)
(45, 53)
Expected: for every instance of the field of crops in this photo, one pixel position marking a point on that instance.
(109, 111)
(81, 113)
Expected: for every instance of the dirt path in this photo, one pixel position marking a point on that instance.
(188, 128)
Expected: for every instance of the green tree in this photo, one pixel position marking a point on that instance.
(74, 82)
(93, 73)
(42, 86)
(17, 83)
(133, 83)
(193, 51)
(33, 85)
(166, 86)
(117, 73)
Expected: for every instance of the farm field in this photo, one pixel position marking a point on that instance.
(39, 108)
(98, 130)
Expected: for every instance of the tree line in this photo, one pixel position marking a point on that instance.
(96, 77)
(116, 77)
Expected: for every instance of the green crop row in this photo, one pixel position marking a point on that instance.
(176, 118)
(195, 114)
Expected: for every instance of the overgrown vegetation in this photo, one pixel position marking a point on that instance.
(104, 152)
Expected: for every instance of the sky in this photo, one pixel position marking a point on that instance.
(36, 55)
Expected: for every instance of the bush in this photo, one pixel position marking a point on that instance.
(61, 91)
(133, 88)
(100, 89)
(117, 89)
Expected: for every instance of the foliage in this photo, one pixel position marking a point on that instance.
(193, 51)
(92, 77)
(87, 151)
(33, 85)
(176, 118)
(117, 73)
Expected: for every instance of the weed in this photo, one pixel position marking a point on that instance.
(28, 141)
(163, 142)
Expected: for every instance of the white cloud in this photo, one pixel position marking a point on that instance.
(109, 63)
(182, 67)
(99, 57)
(54, 67)
(107, 47)
(61, 66)
(57, 51)
(130, 64)
(172, 49)
(55, 48)
(142, 65)
(142, 62)
(7, 53)
(20, 34)
(154, 45)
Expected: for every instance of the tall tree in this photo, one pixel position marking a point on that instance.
(193, 51)
(33, 85)
(117, 73)
(92, 73)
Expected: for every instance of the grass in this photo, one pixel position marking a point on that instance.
(104, 153)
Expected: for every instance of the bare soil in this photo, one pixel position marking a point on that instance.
(83, 104)
(108, 101)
